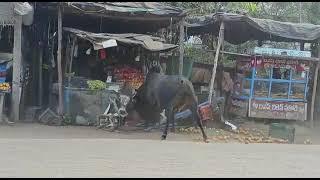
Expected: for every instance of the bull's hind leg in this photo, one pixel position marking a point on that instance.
(196, 117)
(173, 129)
(169, 114)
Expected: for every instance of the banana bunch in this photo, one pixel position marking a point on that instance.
(96, 85)
(4, 86)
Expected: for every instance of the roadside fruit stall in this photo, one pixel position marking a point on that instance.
(101, 65)
(270, 83)
(133, 76)
(272, 86)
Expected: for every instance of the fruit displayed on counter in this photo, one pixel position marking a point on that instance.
(136, 83)
(4, 86)
(129, 74)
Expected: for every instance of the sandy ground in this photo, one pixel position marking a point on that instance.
(34, 150)
(302, 132)
(38, 131)
(151, 158)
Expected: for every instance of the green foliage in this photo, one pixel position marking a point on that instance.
(198, 54)
(283, 11)
(306, 12)
(196, 8)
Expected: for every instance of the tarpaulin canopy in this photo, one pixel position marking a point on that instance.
(99, 40)
(127, 7)
(115, 17)
(134, 8)
(241, 28)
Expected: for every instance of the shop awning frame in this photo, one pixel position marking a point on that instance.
(150, 43)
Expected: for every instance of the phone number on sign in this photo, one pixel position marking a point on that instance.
(275, 107)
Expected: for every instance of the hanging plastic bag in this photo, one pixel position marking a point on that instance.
(103, 54)
(75, 53)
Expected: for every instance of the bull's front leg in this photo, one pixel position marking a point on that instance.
(169, 114)
(155, 120)
(146, 124)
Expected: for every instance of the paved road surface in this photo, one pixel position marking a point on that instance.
(153, 158)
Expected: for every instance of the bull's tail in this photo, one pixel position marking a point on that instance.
(195, 113)
(196, 117)
(192, 101)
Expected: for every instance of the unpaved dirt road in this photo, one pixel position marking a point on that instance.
(41, 151)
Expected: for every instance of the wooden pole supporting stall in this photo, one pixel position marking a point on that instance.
(74, 40)
(17, 55)
(181, 48)
(314, 90)
(301, 46)
(40, 74)
(67, 56)
(220, 64)
(214, 70)
(60, 108)
(70, 55)
(51, 46)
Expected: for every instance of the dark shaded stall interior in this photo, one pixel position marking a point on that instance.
(95, 17)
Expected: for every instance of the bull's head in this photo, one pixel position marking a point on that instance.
(138, 108)
(133, 106)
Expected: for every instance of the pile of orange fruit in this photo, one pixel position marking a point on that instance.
(4, 86)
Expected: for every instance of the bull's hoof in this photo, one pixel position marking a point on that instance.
(148, 129)
(206, 140)
(163, 137)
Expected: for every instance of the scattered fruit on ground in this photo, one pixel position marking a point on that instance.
(307, 141)
(245, 136)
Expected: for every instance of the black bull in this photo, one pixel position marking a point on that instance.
(165, 92)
